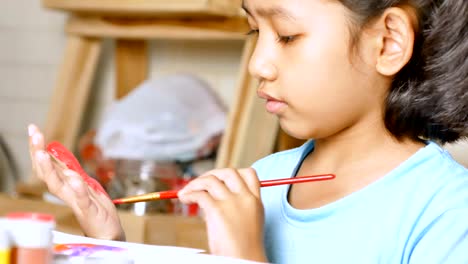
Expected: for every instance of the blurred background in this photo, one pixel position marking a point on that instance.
(32, 45)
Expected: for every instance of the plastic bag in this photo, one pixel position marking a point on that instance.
(170, 118)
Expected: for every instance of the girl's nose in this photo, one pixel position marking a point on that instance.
(261, 64)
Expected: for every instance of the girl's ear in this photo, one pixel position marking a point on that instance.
(395, 41)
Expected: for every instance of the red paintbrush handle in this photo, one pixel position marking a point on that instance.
(299, 179)
(172, 194)
(168, 194)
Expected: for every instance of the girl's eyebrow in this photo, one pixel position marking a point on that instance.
(274, 11)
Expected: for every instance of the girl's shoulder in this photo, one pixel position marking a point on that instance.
(441, 182)
(441, 160)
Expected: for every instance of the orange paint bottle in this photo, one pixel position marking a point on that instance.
(32, 238)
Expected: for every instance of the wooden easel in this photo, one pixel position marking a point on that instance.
(251, 133)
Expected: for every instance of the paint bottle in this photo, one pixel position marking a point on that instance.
(32, 238)
(5, 243)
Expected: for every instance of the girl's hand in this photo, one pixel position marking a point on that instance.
(94, 210)
(230, 200)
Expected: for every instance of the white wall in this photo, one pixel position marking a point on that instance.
(31, 42)
(459, 151)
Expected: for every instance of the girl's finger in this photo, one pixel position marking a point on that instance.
(66, 194)
(32, 130)
(232, 179)
(105, 201)
(86, 198)
(37, 140)
(95, 196)
(47, 173)
(209, 183)
(204, 200)
(82, 198)
(251, 179)
(31, 149)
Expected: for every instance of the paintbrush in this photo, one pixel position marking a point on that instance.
(172, 194)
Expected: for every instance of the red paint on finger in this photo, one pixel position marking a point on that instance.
(95, 185)
(61, 153)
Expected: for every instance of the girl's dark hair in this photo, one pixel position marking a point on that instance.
(429, 97)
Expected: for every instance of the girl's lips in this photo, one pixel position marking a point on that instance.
(273, 105)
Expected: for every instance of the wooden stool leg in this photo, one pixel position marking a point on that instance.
(234, 116)
(257, 132)
(72, 89)
(251, 131)
(131, 65)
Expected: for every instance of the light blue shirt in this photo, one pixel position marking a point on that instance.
(418, 213)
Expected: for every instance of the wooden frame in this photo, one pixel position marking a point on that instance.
(71, 92)
(169, 28)
(130, 57)
(148, 8)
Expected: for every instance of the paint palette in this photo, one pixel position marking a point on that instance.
(78, 249)
(90, 253)
(84, 250)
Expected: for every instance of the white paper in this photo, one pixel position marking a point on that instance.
(144, 254)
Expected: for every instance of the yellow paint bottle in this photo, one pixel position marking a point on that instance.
(5, 243)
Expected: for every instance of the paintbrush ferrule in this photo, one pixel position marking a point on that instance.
(138, 198)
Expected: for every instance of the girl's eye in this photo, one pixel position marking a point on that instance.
(252, 32)
(286, 39)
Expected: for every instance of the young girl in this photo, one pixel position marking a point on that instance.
(374, 85)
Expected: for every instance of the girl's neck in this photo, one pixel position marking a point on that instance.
(353, 147)
(357, 157)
